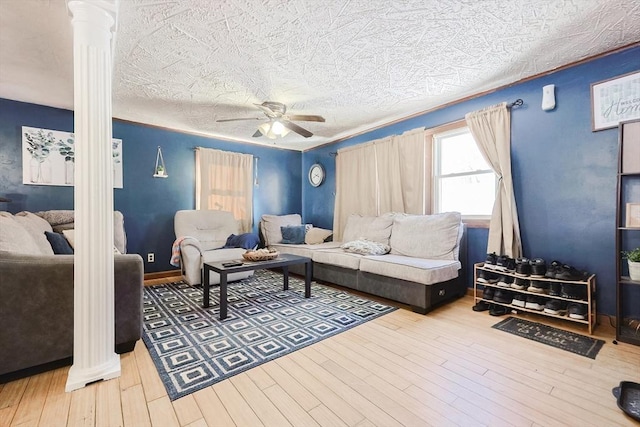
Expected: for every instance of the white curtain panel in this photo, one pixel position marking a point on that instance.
(390, 198)
(491, 128)
(356, 185)
(414, 160)
(224, 181)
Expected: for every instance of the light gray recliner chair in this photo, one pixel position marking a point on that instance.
(204, 234)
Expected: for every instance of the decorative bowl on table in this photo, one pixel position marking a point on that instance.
(260, 255)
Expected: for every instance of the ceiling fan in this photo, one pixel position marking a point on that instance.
(279, 123)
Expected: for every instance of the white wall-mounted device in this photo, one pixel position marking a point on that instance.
(548, 97)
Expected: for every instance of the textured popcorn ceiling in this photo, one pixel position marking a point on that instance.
(361, 63)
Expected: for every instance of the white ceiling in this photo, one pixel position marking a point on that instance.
(183, 64)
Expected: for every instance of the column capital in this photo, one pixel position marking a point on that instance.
(95, 12)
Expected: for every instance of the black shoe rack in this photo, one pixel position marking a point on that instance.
(590, 302)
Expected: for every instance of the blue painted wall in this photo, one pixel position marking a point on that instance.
(148, 203)
(564, 174)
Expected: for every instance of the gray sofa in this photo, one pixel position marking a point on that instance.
(36, 295)
(424, 268)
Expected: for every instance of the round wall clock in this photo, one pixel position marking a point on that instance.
(316, 174)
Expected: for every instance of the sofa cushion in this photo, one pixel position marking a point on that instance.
(316, 235)
(418, 270)
(15, 238)
(293, 234)
(271, 226)
(304, 250)
(337, 257)
(373, 228)
(426, 236)
(366, 247)
(36, 227)
(59, 243)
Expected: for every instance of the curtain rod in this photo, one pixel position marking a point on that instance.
(517, 103)
(197, 148)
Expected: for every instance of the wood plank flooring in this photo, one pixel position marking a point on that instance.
(403, 369)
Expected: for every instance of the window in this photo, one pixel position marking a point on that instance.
(462, 179)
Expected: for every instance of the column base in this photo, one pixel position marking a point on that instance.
(79, 377)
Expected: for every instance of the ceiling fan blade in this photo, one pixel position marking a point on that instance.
(265, 109)
(257, 134)
(297, 129)
(244, 118)
(306, 118)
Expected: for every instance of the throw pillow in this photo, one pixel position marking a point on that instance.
(245, 241)
(366, 247)
(317, 235)
(293, 234)
(15, 238)
(59, 244)
(70, 236)
(36, 227)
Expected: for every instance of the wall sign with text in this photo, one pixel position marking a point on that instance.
(615, 100)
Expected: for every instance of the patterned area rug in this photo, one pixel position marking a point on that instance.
(193, 349)
(569, 341)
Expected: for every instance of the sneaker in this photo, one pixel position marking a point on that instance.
(538, 267)
(490, 261)
(567, 272)
(523, 267)
(504, 297)
(488, 293)
(505, 263)
(553, 269)
(519, 300)
(539, 287)
(534, 303)
(554, 289)
(499, 310)
(505, 281)
(520, 284)
(481, 306)
(577, 311)
(556, 306)
(571, 291)
(487, 277)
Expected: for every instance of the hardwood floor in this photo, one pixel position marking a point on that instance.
(403, 369)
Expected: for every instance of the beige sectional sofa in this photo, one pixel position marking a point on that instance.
(424, 265)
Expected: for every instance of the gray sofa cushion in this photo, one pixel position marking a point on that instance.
(374, 228)
(271, 226)
(426, 236)
(36, 227)
(417, 270)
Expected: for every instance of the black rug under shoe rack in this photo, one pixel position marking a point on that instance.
(558, 338)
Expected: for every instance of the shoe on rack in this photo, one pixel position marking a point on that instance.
(538, 267)
(505, 281)
(487, 277)
(555, 289)
(519, 300)
(481, 306)
(490, 261)
(504, 297)
(523, 267)
(556, 306)
(577, 311)
(553, 269)
(505, 263)
(573, 291)
(534, 303)
(567, 272)
(499, 310)
(520, 284)
(488, 293)
(539, 287)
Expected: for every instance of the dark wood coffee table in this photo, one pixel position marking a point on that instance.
(283, 260)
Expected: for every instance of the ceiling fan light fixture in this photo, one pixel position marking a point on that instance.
(273, 129)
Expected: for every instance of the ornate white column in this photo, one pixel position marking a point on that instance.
(94, 356)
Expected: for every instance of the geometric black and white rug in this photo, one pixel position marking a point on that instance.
(193, 349)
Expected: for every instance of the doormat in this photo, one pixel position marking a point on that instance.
(558, 338)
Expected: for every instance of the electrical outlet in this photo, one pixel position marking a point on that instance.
(151, 257)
